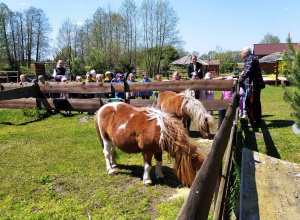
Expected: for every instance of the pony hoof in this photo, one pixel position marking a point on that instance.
(160, 179)
(111, 172)
(148, 183)
(115, 168)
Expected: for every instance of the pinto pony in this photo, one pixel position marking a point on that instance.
(149, 131)
(185, 107)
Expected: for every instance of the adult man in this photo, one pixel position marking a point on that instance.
(253, 80)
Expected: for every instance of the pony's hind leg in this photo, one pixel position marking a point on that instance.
(158, 167)
(113, 159)
(147, 167)
(108, 151)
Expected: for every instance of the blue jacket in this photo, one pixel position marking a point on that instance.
(146, 93)
(119, 94)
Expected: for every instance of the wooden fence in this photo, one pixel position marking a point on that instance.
(9, 74)
(16, 95)
(208, 179)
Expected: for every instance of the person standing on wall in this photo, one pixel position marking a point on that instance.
(254, 83)
(195, 67)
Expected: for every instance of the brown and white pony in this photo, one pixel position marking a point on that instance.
(185, 107)
(149, 131)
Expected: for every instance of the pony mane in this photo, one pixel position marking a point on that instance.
(175, 140)
(196, 110)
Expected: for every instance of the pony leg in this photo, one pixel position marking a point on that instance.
(113, 159)
(158, 167)
(108, 150)
(147, 167)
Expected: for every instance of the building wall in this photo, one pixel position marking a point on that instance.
(268, 67)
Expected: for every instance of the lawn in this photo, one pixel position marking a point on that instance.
(52, 167)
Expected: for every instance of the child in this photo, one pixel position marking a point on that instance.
(227, 94)
(119, 79)
(99, 77)
(157, 79)
(176, 77)
(93, 72)
(59, 72)
(242, 102)
(145, 94)
(131, 79)
(209, 94)
(24, 79)
(65, 95)
(89, 77)
(108, 79)
(78, 95)
(197, 92)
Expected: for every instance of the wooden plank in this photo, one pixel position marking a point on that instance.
(94, 104)
(270, 188)
(75, 87)
(28, 91)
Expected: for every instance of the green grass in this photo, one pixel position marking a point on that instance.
(52, 167)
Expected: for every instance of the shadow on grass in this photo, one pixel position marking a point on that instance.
(170, 179)
(36, 120)
(250, 139)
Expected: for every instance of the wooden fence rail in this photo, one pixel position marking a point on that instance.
(12, 94)
(77, 87)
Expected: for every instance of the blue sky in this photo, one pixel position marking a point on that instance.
(203, 25)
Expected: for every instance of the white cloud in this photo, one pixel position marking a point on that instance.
(80, 4)
(79, 23)
(22, 3)
(286, 9)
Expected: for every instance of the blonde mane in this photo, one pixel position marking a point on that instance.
(196, 110)
(175, 140)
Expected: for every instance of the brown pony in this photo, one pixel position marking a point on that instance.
(185, 107)
(149, 131)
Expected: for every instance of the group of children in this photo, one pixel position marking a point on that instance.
(60, 74)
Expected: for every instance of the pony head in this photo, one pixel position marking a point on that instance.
(200, 117)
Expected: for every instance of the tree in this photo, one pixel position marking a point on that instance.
(5, 13)
(292, 59)
(43, 28)
(159, 28)
(270, 39)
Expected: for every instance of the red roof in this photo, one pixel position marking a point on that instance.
(266, 49)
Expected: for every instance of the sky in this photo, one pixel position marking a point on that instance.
(204, 25)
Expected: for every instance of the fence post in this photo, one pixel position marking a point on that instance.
(7, 77)
(222, 113)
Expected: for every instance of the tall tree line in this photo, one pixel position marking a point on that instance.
(121, 40)
(24, 36)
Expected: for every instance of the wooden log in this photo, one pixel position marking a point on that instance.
(27, 91)
(198, 202)
(92, 105)
(75, 87)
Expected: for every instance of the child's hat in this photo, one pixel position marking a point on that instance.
(40, 76)
(119, 75)
(107, 72)
(93, 71)
(207, 75)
